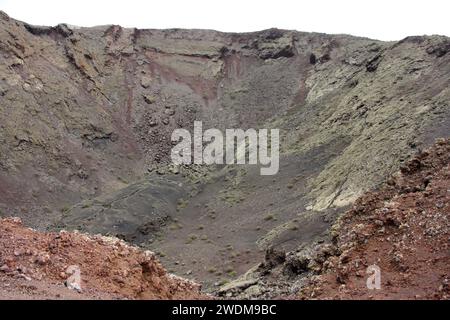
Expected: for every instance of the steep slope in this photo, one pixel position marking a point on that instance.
(403, 228)
(87, 115)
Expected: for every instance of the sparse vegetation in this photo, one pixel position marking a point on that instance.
(86, 205)
(232, 273)
(181, 204)
(223, 282)
(232, 196)
(191, 238)
(175, 226)
(212, 216)
(123, 180)
(161, 254)
(212, 270)
(269, 217)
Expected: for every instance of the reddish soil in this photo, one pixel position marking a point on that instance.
(33, 265)
(403, 228)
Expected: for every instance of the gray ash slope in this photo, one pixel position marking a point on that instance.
(86, 117)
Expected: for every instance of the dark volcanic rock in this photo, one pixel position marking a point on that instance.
(87, 116)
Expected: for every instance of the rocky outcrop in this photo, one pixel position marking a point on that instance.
(402, 229)
(95, 266)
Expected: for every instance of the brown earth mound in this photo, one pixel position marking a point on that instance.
(403, 228)
(35, 265)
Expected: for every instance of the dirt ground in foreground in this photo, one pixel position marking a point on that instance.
(35, 265)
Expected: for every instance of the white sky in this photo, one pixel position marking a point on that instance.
(379, 19)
